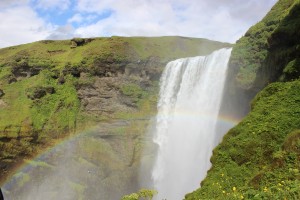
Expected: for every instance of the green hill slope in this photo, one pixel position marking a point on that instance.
(260, 157)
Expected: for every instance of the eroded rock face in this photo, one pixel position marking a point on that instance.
(23, 70)
(102, 97)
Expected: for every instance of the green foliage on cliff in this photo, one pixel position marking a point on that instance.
(285, 46)
(134, 91)
(21, 112)
(251, 51)
(260, 157)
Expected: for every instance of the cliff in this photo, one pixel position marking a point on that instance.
(260, 157)
(51, 89)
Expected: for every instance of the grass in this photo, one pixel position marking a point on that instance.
(260, 157)
(116, 49)
(55, 111)
(144, 100)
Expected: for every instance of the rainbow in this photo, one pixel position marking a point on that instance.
(28, 165)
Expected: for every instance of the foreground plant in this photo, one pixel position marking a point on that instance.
(143, 194)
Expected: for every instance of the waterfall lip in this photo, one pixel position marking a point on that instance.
(188, 112)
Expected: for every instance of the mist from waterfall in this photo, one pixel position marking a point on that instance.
(185, 127)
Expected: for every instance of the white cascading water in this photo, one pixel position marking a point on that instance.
(190, 97)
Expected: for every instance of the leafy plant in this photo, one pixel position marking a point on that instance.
(143, 194)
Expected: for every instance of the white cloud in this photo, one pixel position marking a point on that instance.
(21, 25)
(224, 20)
(62, 33)
(77, 18)
(7, 3)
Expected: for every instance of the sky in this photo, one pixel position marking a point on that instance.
(24, 21)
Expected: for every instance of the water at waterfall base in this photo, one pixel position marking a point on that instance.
(185, 129)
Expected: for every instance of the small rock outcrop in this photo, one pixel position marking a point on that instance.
(39, 92)
(75, 42)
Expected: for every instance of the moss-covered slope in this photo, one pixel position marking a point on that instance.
(260, 157)
(49, 89)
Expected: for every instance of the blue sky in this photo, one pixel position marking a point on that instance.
(24, 21)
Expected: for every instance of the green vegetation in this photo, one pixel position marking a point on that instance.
(134, 91)
(27, 113)
(249, 55)
(145, 101)
(260, 157)
(56, 54)
(140, 195)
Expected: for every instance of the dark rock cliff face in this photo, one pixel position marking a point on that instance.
(283, 58)
(104, 97)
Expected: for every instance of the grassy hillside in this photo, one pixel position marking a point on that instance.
(260, 157)
(49, 89)
(83, 52)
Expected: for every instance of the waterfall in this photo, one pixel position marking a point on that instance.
(185, 130)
